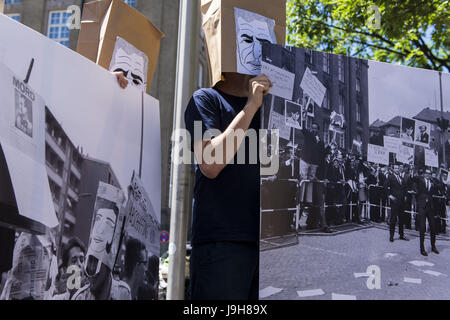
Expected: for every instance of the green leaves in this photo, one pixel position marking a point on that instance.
(412, 32)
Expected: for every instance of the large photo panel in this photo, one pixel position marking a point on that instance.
(362, 160)
(80, 157)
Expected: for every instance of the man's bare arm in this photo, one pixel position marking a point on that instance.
(258, 87)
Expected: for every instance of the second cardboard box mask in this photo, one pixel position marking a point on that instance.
(119, 38)
(234, 31)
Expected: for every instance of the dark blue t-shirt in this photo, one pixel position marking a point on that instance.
(225, 208)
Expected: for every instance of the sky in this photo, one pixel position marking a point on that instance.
(405, 91)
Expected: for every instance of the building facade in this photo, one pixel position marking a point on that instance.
(93, 171)
(346, 83)
(74, 178)
(64, 163)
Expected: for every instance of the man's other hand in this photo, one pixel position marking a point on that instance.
(123, 82)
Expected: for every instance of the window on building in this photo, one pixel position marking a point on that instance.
(341, 109)
(12, 1)
(358, 111)
(131, 3)
(326, 62)
(14, 16)
(326, 100)
(308, 56)
(326, 135)
(341, 68)
(57, 27)
(358, 85)
(340, 139)
(308, 122)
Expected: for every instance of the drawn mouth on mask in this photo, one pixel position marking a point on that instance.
(255, 63)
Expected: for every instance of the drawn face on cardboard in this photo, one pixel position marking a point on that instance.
(103, 231)
(101, 239)
(132, 62)
(252, 30)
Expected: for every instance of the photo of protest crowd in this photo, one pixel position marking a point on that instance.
(119, 260)
(339, 173)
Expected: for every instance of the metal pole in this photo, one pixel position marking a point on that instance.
(187, 40)
(444, 132)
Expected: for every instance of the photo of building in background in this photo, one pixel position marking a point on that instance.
(345, 81)
(74, 179)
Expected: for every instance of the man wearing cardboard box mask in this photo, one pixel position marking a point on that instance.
(224, 262)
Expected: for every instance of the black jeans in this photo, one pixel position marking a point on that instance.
(224, 271)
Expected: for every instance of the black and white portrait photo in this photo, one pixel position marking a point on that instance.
(24, 113)
(407, 130)
(422, 132)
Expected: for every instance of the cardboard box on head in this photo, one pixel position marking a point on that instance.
(120, 38)
(234, 31)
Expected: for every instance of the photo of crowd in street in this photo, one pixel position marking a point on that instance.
(364, 172)
(79, 178)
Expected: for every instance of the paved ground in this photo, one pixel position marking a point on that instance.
(329, 263)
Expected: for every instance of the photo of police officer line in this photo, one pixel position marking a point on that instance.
(342, 169)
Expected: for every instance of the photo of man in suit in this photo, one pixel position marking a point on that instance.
(396, 192)
(423, 136)
(425, 189)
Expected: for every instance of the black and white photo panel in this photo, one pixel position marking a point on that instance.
(358, 209)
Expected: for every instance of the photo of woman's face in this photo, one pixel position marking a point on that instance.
(103, 230)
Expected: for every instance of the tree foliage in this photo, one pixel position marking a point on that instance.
(411, 32)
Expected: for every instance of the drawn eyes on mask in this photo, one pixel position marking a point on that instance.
(137, 80)
(249, 39)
